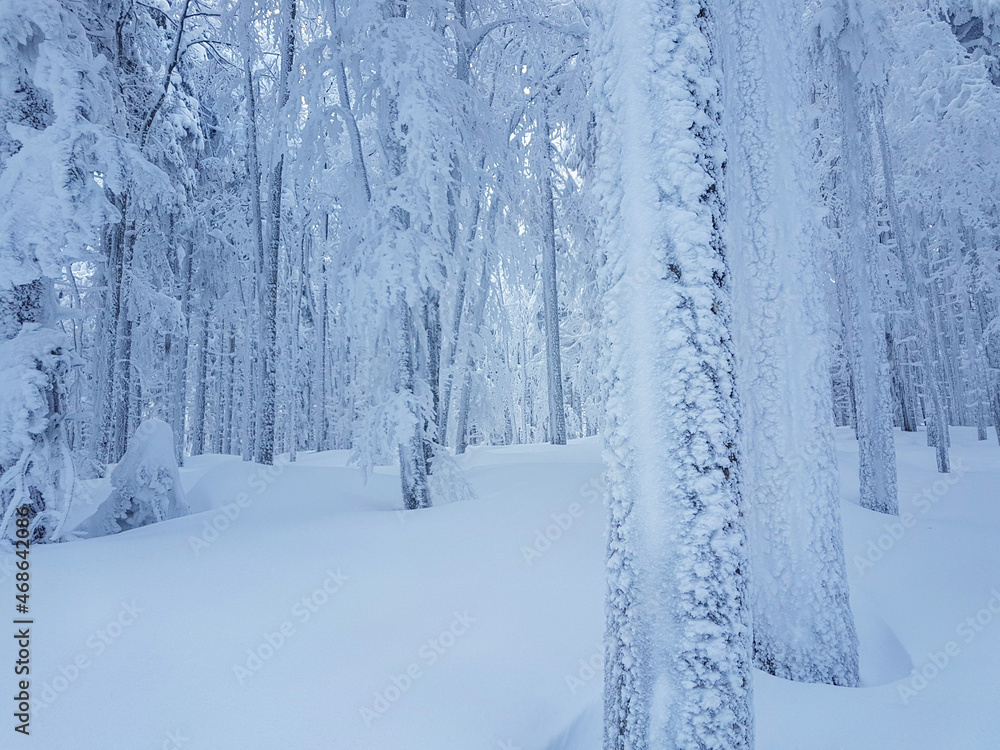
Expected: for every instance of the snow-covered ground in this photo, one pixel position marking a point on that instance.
(298, 609)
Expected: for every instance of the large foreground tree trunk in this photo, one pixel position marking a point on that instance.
(802, 623)
(678, 643)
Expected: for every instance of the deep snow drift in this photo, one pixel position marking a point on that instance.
(298, 608)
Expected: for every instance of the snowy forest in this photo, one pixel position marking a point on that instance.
(525, 374)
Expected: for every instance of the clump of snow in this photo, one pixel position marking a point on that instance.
(147, 484)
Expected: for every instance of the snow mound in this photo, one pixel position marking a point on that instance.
(884, 659)
(582, 733)
(147, 485)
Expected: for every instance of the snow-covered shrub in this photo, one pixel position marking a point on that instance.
(147, 484)
(447, 480)
(35, 465)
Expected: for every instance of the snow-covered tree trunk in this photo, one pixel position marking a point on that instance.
(938, 430)
(178, 416)
(802, 623)
(321, 429)
(412, 456)
(269, 285)
(449, 362)
(678, 642)
(912, 295)
(247, 400)
(987, 403)
(480, 293)
(550, 291)
(116, 333)
(296, 321)
(407, 291)
(973, 352)
(267, 364)
(198, 414)
(106, 398)
(250, 377)
(228, 385)
(870, 364)
(448, 359)
(432, 340)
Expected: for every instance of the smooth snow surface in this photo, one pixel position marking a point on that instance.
(498, 627)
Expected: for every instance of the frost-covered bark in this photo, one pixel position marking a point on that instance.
(198, 412)
(915, 296)
(413, 463)
(802, 623)
(678, 644)
(412, 456)
(550, 293)
(269, 283)
(253, 177)
(852, 49)
(178, 414)
(479, 305)
(110, 399)
(873, 393)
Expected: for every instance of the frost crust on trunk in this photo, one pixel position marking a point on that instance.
(678, 641)
(803, 625)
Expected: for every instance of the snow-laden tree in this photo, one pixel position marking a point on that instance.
(56, 143)
(141, 335)
(414, 147)
(852, 45)
(976, 25)
(678, 641)
(335, 224)
(285, 32)
(802, 622)
(941, 181)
